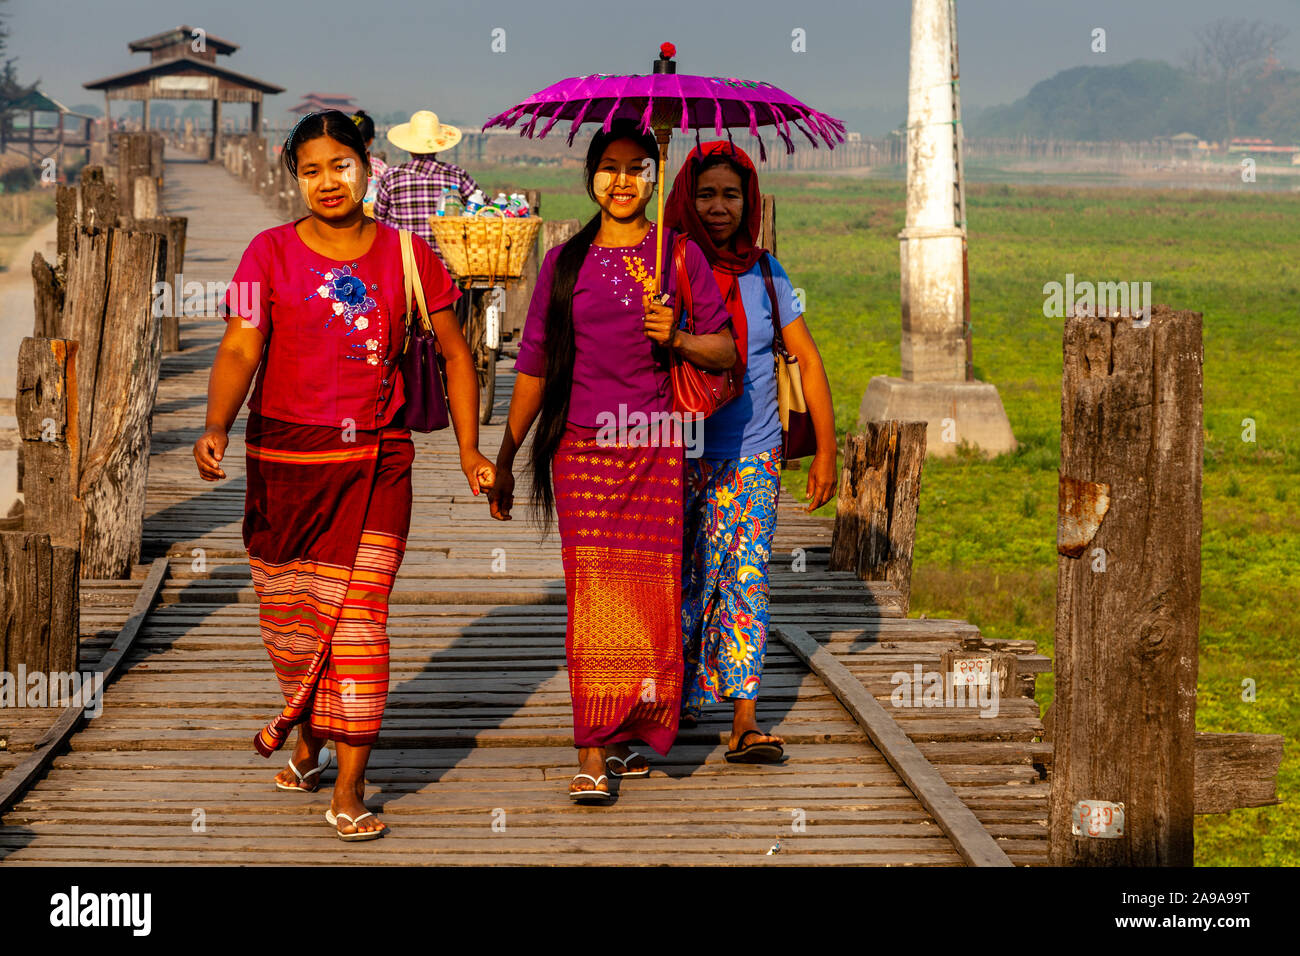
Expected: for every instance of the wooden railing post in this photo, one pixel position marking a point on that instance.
(100, 203)
(1128, 592)
(38, 606)
(173, 229)
(87, 383)
(555, 232)
(46, 407)
(136, 175)
(875, 514)
(115, 462)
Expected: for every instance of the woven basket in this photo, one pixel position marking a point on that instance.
(485, 245)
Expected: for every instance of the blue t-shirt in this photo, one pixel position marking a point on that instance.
(749, 424)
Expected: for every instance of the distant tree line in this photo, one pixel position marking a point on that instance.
(1231, 85)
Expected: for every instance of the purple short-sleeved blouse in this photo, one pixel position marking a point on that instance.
(616, 362)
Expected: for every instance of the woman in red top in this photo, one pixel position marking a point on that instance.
(321, 308)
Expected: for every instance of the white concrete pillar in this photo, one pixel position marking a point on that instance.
(930, 246)
(933, 387)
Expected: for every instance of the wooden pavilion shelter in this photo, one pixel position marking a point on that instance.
(183, 66)
(312, 102)
(43, 140)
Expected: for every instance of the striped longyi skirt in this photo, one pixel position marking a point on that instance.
(325, 524)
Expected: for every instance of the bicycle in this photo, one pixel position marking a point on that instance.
(481, 308)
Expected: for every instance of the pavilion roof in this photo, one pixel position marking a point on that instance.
(177, 35)
(176, 65)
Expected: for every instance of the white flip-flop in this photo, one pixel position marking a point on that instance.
(625, 761)
(324, 761)
(589, 796)
(333, 819)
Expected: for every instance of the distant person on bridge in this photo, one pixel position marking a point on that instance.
(732, 489)
(410, 192)
(321, 305)
(377, 166)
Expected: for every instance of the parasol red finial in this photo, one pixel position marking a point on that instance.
(665, 63)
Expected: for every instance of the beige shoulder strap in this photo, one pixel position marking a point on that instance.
(411, 277)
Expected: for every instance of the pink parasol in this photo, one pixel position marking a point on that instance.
(664, 100)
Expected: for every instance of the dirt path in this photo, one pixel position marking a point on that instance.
(17, 315)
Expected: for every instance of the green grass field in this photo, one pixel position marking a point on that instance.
(985, 548)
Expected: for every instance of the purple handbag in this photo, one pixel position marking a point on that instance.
(421, 362)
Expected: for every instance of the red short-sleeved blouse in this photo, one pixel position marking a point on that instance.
(334, 329)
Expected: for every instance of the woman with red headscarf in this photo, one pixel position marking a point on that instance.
(732, 489)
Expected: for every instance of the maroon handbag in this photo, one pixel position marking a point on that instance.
(798, 437)
(421, 362)
(696, 390)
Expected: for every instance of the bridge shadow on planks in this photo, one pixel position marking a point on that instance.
(496, 677)
(15, 838)
(192, 356)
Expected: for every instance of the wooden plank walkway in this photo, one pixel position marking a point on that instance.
(476, 750)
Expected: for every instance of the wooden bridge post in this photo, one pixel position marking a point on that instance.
(38, 605)
(88, 486)
(173, 228)
(875, 514)
(47, 288)
(136, 183)
(116, 440)
(100, 202)
(46, 407)
(1128, 592)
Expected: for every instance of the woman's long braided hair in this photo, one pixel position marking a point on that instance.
(558, 343)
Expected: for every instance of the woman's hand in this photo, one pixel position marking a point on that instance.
(821, 479)
(660, 320)
(501, 497)
(480, 472)
(208, 452)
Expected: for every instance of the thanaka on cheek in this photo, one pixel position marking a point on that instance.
(603, 184)
(351, 174)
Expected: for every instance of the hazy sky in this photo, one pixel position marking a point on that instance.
(399, 54)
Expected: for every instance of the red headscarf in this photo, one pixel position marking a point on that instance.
(728, 263)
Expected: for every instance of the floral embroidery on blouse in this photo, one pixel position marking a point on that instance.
(622, 286)
(639, 273)
(349, 299)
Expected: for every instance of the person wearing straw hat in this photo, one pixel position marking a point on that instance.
(410, 192)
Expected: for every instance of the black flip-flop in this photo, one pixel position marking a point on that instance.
(764, 752)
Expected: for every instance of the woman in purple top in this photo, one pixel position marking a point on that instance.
(608, 456)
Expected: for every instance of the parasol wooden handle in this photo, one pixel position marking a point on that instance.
(662, 134)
